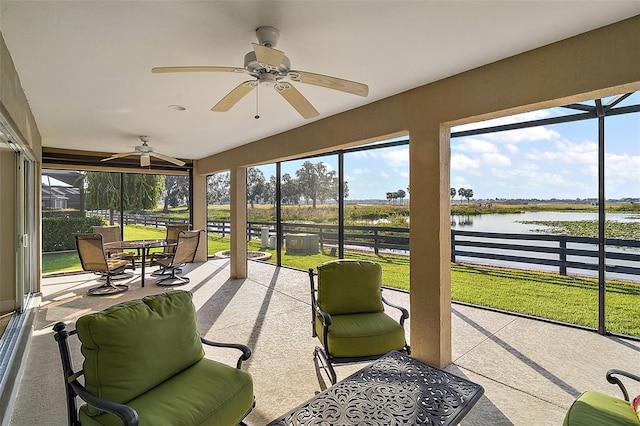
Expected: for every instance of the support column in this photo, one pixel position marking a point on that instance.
(199, 210)
(430, 243)
(238, 181)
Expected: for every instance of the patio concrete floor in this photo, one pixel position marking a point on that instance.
(531, 370)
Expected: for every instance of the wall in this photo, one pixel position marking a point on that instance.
(599, 63)
(17, 114)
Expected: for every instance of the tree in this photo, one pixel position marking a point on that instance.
(461, 193)
(389, 196)
(468, 194)
(289, 190)
(453, 193)
(314, 181)
(256, 185)
(218, 188)
(176, 191)
(401, 194)
(141, 191)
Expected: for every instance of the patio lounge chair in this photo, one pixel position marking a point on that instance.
(144, 364)
(93, 259)
(185, 253)
(348, 315)
(594, 408)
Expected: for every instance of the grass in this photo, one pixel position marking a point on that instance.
(567, 299)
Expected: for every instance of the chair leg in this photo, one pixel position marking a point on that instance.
(170, 280)
(325, 364)
(108, 288)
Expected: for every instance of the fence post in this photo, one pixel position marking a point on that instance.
(320, 237)
(375, 241)
(563, 255)
(453, 246)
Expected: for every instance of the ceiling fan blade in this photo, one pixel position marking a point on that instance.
(123, 154)
(145, 160)
(159, 70)
(295, 98)
(268, 55)
(234, 96)
(330, 82)
(167, 159)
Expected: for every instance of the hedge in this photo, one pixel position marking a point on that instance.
(57, 232)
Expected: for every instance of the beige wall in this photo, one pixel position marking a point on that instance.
(16, 113)
(595, 64)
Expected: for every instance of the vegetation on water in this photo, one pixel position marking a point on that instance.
(588, 228)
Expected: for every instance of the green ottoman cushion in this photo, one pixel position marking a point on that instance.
(362, 334)
(134, 346)
(595, 408)
(207, 393)
(350, 287)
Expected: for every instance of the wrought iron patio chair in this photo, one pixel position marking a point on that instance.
(594, 408)
(186, 249)
(143, 363)
(93, 259)
(347, 315)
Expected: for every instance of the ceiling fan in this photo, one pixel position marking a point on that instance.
(269, 67)
(146, 152)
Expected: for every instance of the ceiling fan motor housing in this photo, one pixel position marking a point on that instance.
(267, 36)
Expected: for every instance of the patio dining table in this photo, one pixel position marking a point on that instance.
(142, 246)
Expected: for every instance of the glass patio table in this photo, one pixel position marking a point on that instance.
(142, 246)
(394, 390)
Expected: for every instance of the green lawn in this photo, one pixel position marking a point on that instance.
(567, 299)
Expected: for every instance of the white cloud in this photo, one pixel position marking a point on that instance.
(474, 145)
(512, 149)
(360, 171)
(383, 174)
(531, 134)
(462, 162)
(396, 157)
(495, 160)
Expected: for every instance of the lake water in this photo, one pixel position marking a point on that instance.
(510, 223)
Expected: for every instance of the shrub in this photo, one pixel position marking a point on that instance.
(57, 232)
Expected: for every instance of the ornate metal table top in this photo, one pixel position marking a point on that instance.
(394, 390)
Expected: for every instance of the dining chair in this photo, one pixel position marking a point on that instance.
(93, 258)
(186, 249)
(171, 237)
(110, 234)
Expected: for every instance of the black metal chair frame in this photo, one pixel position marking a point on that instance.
(322, 355)
(74, 388)
(616, 381)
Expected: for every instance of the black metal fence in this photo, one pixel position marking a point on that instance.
(557, 252)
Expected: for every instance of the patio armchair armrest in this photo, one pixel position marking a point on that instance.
(616, 381)
(326, 317)
(128, 415)
(405, 312)
(246, 350)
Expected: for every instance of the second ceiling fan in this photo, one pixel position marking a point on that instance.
(270, 67)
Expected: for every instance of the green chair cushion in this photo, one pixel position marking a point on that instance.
(595, 408)
(207, 393)
(350, 287)
(134, 346)
(362, 334)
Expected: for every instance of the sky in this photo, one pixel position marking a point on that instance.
(557, 161)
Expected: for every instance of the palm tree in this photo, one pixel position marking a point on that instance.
(461, 193)
(453, 193)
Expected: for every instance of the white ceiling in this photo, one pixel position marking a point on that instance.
(85, 66)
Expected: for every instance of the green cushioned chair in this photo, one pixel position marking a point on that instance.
(144, 364)
(348, 314)
(594, 408)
